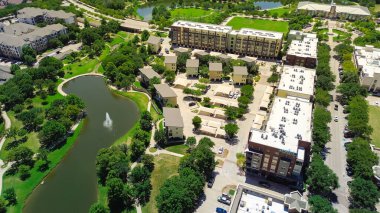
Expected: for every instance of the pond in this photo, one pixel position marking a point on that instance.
(72, 185)
(266, 5)
(146, 10)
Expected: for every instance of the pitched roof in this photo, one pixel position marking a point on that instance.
(349, 9)
(215, 67)
(295, 201)
(240, 70)
(164, 90)
(154, 40)
(224, 56)
(170, 59)
(192, 63)
(172, 117)
(149, 72)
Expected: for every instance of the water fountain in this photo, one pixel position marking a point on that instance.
(108, 122)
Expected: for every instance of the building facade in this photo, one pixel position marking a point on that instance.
(303, 52)
(148, 74)
(333, 11)
(154, 43)
(367, 60)
(240, 75)
(165, 95)
(15, 37)
(33, 16)
(192, 66)
(224, 39)
(173, 123)
(171, 63)
(215, 71)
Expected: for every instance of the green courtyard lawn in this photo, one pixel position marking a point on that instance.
(24, 188)
(341, 36)
(165, 166)
(279, 11)
(180, 149)
(374, 121)
(259, 24)
(377, 8)
(194, 14)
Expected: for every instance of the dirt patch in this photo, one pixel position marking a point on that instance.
(219, 163)
(224, 154)
(229, 189)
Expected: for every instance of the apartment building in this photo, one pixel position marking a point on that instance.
(215, 71)
(192, 66)
(303, 52)
(367, 60)
(224, 39)
(240, 75)
(147, 74)
(299, 35)
(297, 82)
(165, 95)
(173, 123)
(154, 43)
(171, 62)
(333, 11)
(33, 15)
(14, 37)
(282, 147)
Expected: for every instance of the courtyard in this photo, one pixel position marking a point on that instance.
(259, 24)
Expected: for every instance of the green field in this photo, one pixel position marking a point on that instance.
(341, 36)
(180, 149)
(279, 11)
(194, 14)
(259, 24)
(377, 8)
(165, 166)
(374, 121)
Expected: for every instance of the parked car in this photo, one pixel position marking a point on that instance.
(346, 144)
(166, 50)
(211, 181)
(348, 134)
(349, 170)
(264, 184)
(220, 210)
(192, 104)
(336, 118)
(336, 107)
(224, 200)
(220, 150)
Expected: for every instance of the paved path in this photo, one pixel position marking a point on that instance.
(7, 124)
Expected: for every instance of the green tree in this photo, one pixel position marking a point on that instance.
(99, 208)
(322, 97)
(191, 142)
(145, 35)
(160, 137)
(9, 195)
(320, 178)
(112, 162)
(3, 205)
(51, 133)
(231, 113)
(231, 129)
(197, 122)
(361, 158)
(148, 161)
(115, 194)
(28, 55)
(363, 194)
(24, 172)
(321, 204)
(22, 155)
(14, 68)
(358, 117)
(146, 121)
(247, 91)
(350, 90)
(137, 149)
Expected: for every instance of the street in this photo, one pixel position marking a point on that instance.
(336, 157)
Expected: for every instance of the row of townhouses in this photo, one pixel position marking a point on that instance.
(224, 39)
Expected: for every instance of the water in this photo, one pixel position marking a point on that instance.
(72, 185)
(108, 122)
(265, 5)
(146, 10)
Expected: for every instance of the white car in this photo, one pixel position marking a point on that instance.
(336, 119)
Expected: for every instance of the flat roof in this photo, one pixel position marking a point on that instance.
(192, 63)
(170, 59)
(297, 79)
(258, 33)
(240, 70)
(154, 40)
(215, 67)
(350, 9)
(289, 121)
(202, 26)
(164, 90)
(367, 59)
(304, 48)
(302, 34)
(18, 29)
(172, 117)
(149, 72)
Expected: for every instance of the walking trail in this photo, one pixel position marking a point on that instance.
(3, 169)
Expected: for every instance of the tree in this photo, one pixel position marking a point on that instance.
(32, 118)
(146, 121)
(160, 137)
(145, 35)
(115, 194)
(139, 174)
(361, 158)
(358, 118)
(22, 155)
(197, 122)
(148, 161)
(13, 133)
(231, 113)
(231, 129)
(364, 194)
(98, 208)
(9, 195)
(137, 149)
(320, 178)
(191, 141)
(322, 97)
(14, 68)
(240, 160)
(247, 91)
(112, 162)
(321, 204)
(28, 55)
(3, 205)
(24, 172)
(206, 141)
(51, 133)
(143, 136)
(350, 90)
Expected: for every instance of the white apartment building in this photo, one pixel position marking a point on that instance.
(299, 35)
(367, 60)
(32, 15)
(13, 38)
(297, 82)
(303, 52)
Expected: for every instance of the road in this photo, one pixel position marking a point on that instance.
(336, 157)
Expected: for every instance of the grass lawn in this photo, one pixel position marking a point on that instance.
(24, 188)
(374, 121)
(279, 11)
(194, 14)
(180, 149)
(341, 36)
(165, 166)
(259, 24)
(84, 66)
(137, 84)
(377, 8)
